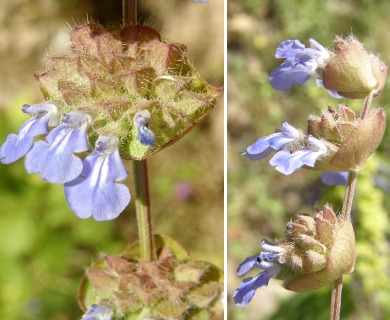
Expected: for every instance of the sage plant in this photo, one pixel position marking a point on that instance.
(320, 249)
(117, 95)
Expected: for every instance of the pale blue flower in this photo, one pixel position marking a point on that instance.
(269, 261)
(16, 146)
(288, 162)
(54, 158)
(141, 121)
(263, 147)
(333, 93)
(335, 178)
(99, 312)
(301, 63)
(96, 193)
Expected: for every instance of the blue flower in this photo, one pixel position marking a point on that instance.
(301, 63)
(335, 178)
(17, 146)
(288, 162)
(54, 158)
(268, 260)
(333, 93)
(96, 192)
(263, 147)
(99, 312)
(141, 121)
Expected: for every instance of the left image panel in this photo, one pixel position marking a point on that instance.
(112, 159)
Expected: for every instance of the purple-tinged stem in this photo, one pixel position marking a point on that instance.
(129, 12)
(337, 286)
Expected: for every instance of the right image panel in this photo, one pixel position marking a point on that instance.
(308, 160)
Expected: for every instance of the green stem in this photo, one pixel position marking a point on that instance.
(337, 288)
(129, 12)
(142, 207)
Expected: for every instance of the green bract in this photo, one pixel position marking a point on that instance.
(113, 74)
(171, 287)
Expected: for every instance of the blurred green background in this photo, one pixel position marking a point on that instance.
(261, 200)
(43, 245)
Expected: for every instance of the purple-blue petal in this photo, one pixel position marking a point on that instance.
(145, 136)
(287, 163)
(289, 48)
(288, 74)
(55, 159)
(263, 147)
(335, 178)
(98, 312)
(247, 265)
(141, 120)
(333, 93)
(96, 193)
(16, 146)
(247, 288)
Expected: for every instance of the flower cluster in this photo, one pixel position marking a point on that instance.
(118, 94)
(294, 150)
(301, 63)
(316, 251)
(91, 186)
(336, 143)
(349, 71)
(269, 261)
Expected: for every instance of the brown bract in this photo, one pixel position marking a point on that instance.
(318, 250)
(361, 143)
(350, 140)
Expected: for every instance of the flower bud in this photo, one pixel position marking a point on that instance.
(352, 71)
(319, 254)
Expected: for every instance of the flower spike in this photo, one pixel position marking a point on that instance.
(96, 193)
(17, 146)
(54, 158)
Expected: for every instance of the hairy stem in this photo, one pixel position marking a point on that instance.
(142, 201)
(335, 305)
(337, 287)
(142, 207)
(367, 105)
(348, 196)
(129, 12)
